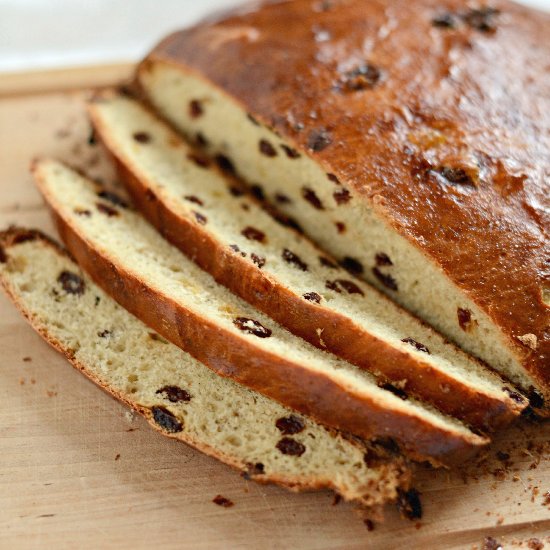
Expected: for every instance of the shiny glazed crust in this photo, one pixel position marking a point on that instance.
(340, 334)
(239, 359)
(483, 83)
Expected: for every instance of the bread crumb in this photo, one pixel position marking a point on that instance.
(530, 340)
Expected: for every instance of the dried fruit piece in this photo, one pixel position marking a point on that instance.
(290, 152)
(104, 333)
(166, 420)
(290, 258)
(258, 191)
(252, 327)
(200, 161)
(281, 198)
(290, 425)
(352, 265)
(417, 345)
(327, 263)
(340, 227)
(195, 108)
(222, 501)
(385, 278)
(409, 504)
(225, 164)
(253, 234)
(175, 394)
(267, 149)
(464, 318)
(343, 284)
(312, 198)
(342, 196)
(71, 283)
(201, 218)
(194, 199)
(289, 446)
(382, 259)
(142, 137)
(258, 260)
(312, 297)
(235, 248)
(106, 209)
(113, 198)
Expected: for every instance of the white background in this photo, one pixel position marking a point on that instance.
(38, 34)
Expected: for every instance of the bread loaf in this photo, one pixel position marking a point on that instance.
(279, 271)
(177, 395)
(126, 257)
(409, 139)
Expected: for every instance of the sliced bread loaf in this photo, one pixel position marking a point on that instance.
(152, 279)
(283, 274)
(405, 137)
(178, 395)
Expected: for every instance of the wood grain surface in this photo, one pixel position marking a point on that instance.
(78, 471)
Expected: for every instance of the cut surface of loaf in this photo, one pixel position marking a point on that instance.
(155, 281)
(282, 273)
(178, 395)
(425, 151)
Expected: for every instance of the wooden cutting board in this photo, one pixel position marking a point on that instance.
(78, 471)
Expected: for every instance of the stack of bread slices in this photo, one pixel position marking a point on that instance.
(206, 308)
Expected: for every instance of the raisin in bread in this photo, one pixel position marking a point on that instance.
(409, 139)
(127, 257)
(280, 271)
(177, 394)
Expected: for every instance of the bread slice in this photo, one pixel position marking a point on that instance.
(178, 395)
(126, 257)
(386, 142)
(243, 248)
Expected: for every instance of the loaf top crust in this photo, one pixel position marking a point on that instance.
(435, 113)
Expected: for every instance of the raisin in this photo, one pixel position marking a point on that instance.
(454, 175)
(195, 108)
(113, 198)
(395, 390)
(92, 138)
(409, 504)
(104, 333)
(253, 234)
(267, 149)
(235, 248)
(175, 394)
(352, 265)
(166, 420)
(222, 501)
(290, 152)
(142, 137)
(319, 139)
(201, 218)
(200, 161)
(382, 259)
(3, 256)
(464, 318)
(325, 262)
(312, 198)
(312, 297)
(333, 179)
(282, 198)
(252, 327)
(194, 199)
(200, 140)
(71, 283)
(536, 399)
(369, 524)
(258, 260)
(363, 77)
(257, 191)
(289, 446)
(340, 227)
(342, 196)
(481, 19)
(445, 21)
(339, 284)
(84, 212)
(25, 236)
(386, 279)
(290, 425)
(106, 209)
(514, 395)
(291, 258)
(236, 191)
(417, 345)
(287, 221)
(225, 164)
(253, 470)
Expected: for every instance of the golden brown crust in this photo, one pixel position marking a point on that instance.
(318, 325)
(16, 235)
(236, 357)
(480, 80)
